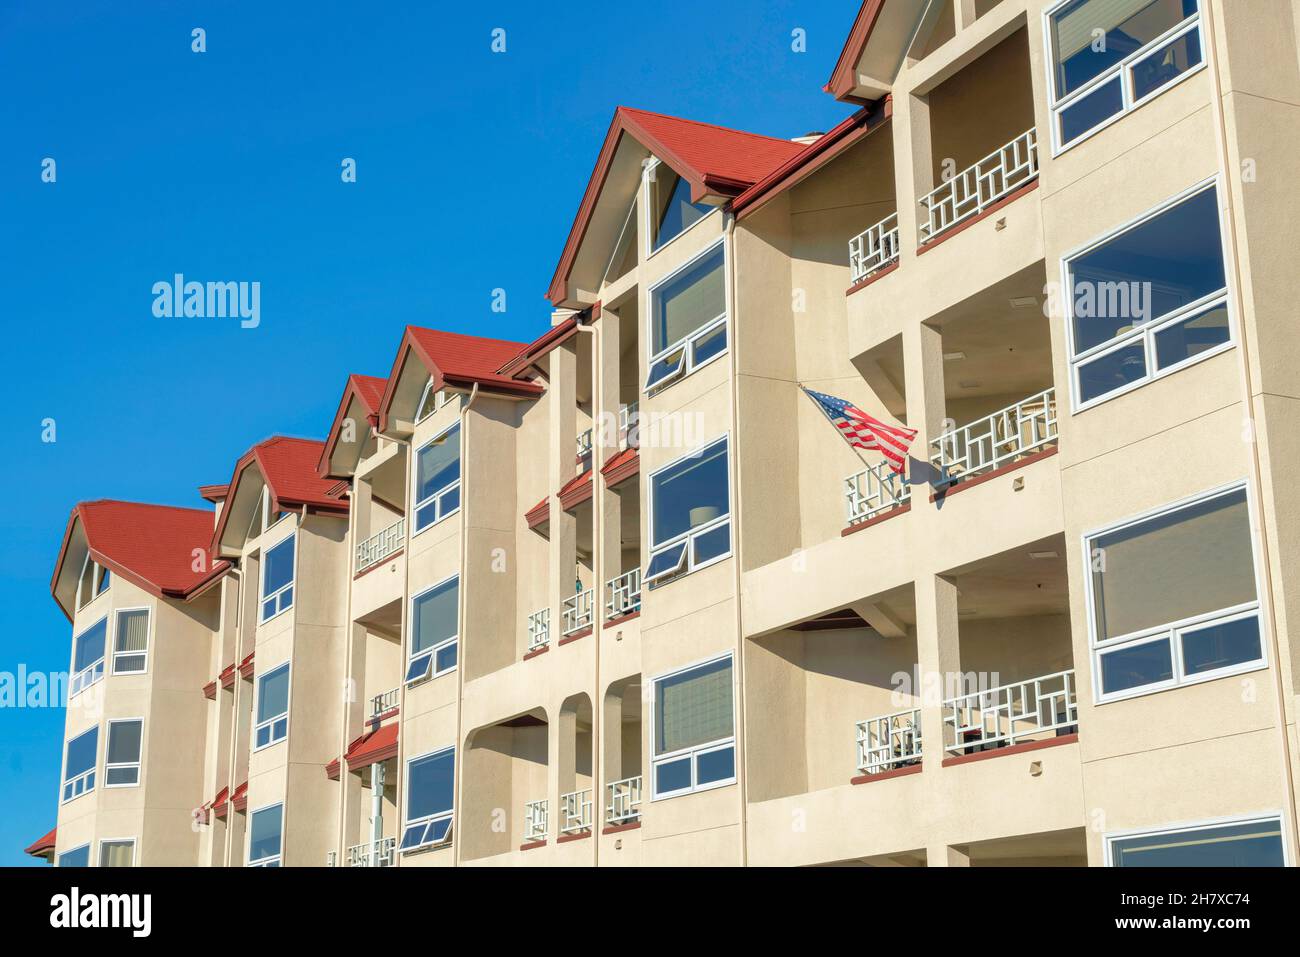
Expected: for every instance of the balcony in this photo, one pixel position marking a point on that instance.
(584, 447)
(623, 594)
(575, 812)
(889, 742)
(629, 418)
(535, 821)
(384, 703)
(977, 187)
(372, 853)
(576, 613)
(539, 629)
(1011, 714)
(874, 491)
(873, 249)
(995, 440)
(380, 545)
(623, 805)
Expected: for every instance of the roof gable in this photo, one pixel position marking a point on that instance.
(875, 48)
(366, 392)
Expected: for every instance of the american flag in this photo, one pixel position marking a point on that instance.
(863, 432)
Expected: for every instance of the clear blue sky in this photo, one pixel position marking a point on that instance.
(225, 166)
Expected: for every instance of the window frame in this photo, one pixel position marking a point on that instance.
(437, 495)
(431, 653)
(263, 597)
(1262, 817)
(694, 752)
(99, 856)
(428, 819)
(1173, 631)
(273, 860)
(58, 858)
(86, 777)
(686, 564)
(648, 174)
(148, 640)
(138, 763)
(1145, 333)
(271, 721)
(1057, 104)
(100, 581)
(685, 365)
(98, 668)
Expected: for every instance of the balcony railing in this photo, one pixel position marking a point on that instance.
(629, 418)
(576, 613)
(584, 445)
(539, 629)
(372, 853)
(575, 811)
(380, 545)
(874, 490)
(873, 249)
(331, 858)
(383, 703)
(997, 439)
(623, 594)
(535, 814)
(978, 187)
(623, 804)
(1003, 716)
(889, 741)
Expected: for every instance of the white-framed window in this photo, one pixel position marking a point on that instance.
(92, 582)
(279, 569)
(265, 830)
(688, 318)
(693, 729)
(435, 624)
(1173, 596)
(437, 478)
(430, 789)
(1107, 57)
(265, 515)
(122, 752)
(88, 656)
(130, 641)
(75, 857)
(272, 707)
(690, 513)
(669, 207)
(431, 400)
(1148, 299)
(80, 757)
(117, 852)
(1255, 841)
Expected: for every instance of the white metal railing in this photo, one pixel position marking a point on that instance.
(889, 741)
(1009, 713)
(629, 417)
(535, 814)
(331, 858)
(383, 703)
(576, 612)
(623, 594)
(584, 445)
(624, 801)
(978, 187)
(996, 439)
(380, 545)
(575, 811)
(372, 853)
(874, 248)
(539, 629)
(875, 489)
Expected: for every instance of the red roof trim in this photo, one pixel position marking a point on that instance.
(210, 691)
(219, 803)
(213, 493)
(44, 845)
(246, 666)
(576, 491)
(373, 747)
(227, 676)
(369, 391)
(561, 332)
(621, 467)
(239, 800)
(332, 770)
(539, 514)
(843, 78)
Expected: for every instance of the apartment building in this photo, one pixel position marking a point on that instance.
(623, 595)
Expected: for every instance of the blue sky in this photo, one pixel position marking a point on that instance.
(225, 165)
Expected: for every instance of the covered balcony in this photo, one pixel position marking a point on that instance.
(506, 768)
(621, 802)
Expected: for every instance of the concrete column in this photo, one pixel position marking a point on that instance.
(943, 855)
(926, 404)
(913, 165)
(361, 511)
(563, 551)
(938, 655)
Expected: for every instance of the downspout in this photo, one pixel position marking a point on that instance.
(1248, 403)
(349, 685)
(597, 589)
(231, 745)
(400, 804)
(462, 603)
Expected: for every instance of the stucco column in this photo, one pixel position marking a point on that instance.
(914, 166)
(563, 550)
(362, 494)
(938, 654)
(926, 405)
(943, 855)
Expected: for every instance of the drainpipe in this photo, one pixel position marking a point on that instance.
(407, 522)
(377, 776)
(597, 592)
(462, 602)
(1248, 403)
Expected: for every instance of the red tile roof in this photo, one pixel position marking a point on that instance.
(373, 746)
(369, 391)
(44, 846)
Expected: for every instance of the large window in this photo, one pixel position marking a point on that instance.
(1108, 56)
(1148, 300)
(430, 788)
(272, 707)
(688, 319)
(437, 479)
(80, 757)
(671, 210)
(1253, 843)
(76, 857)
(434, 616)
(88, 656)
(690, 514)
(117, 853)
(265, 826)
(1172, 597)
(131, 641)
(694, 730)
(277, 579)
(122, 758)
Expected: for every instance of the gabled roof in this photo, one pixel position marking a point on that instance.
(151, 546)
(874, 50)
(368, 390)
(43, 847)
(715, 160)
